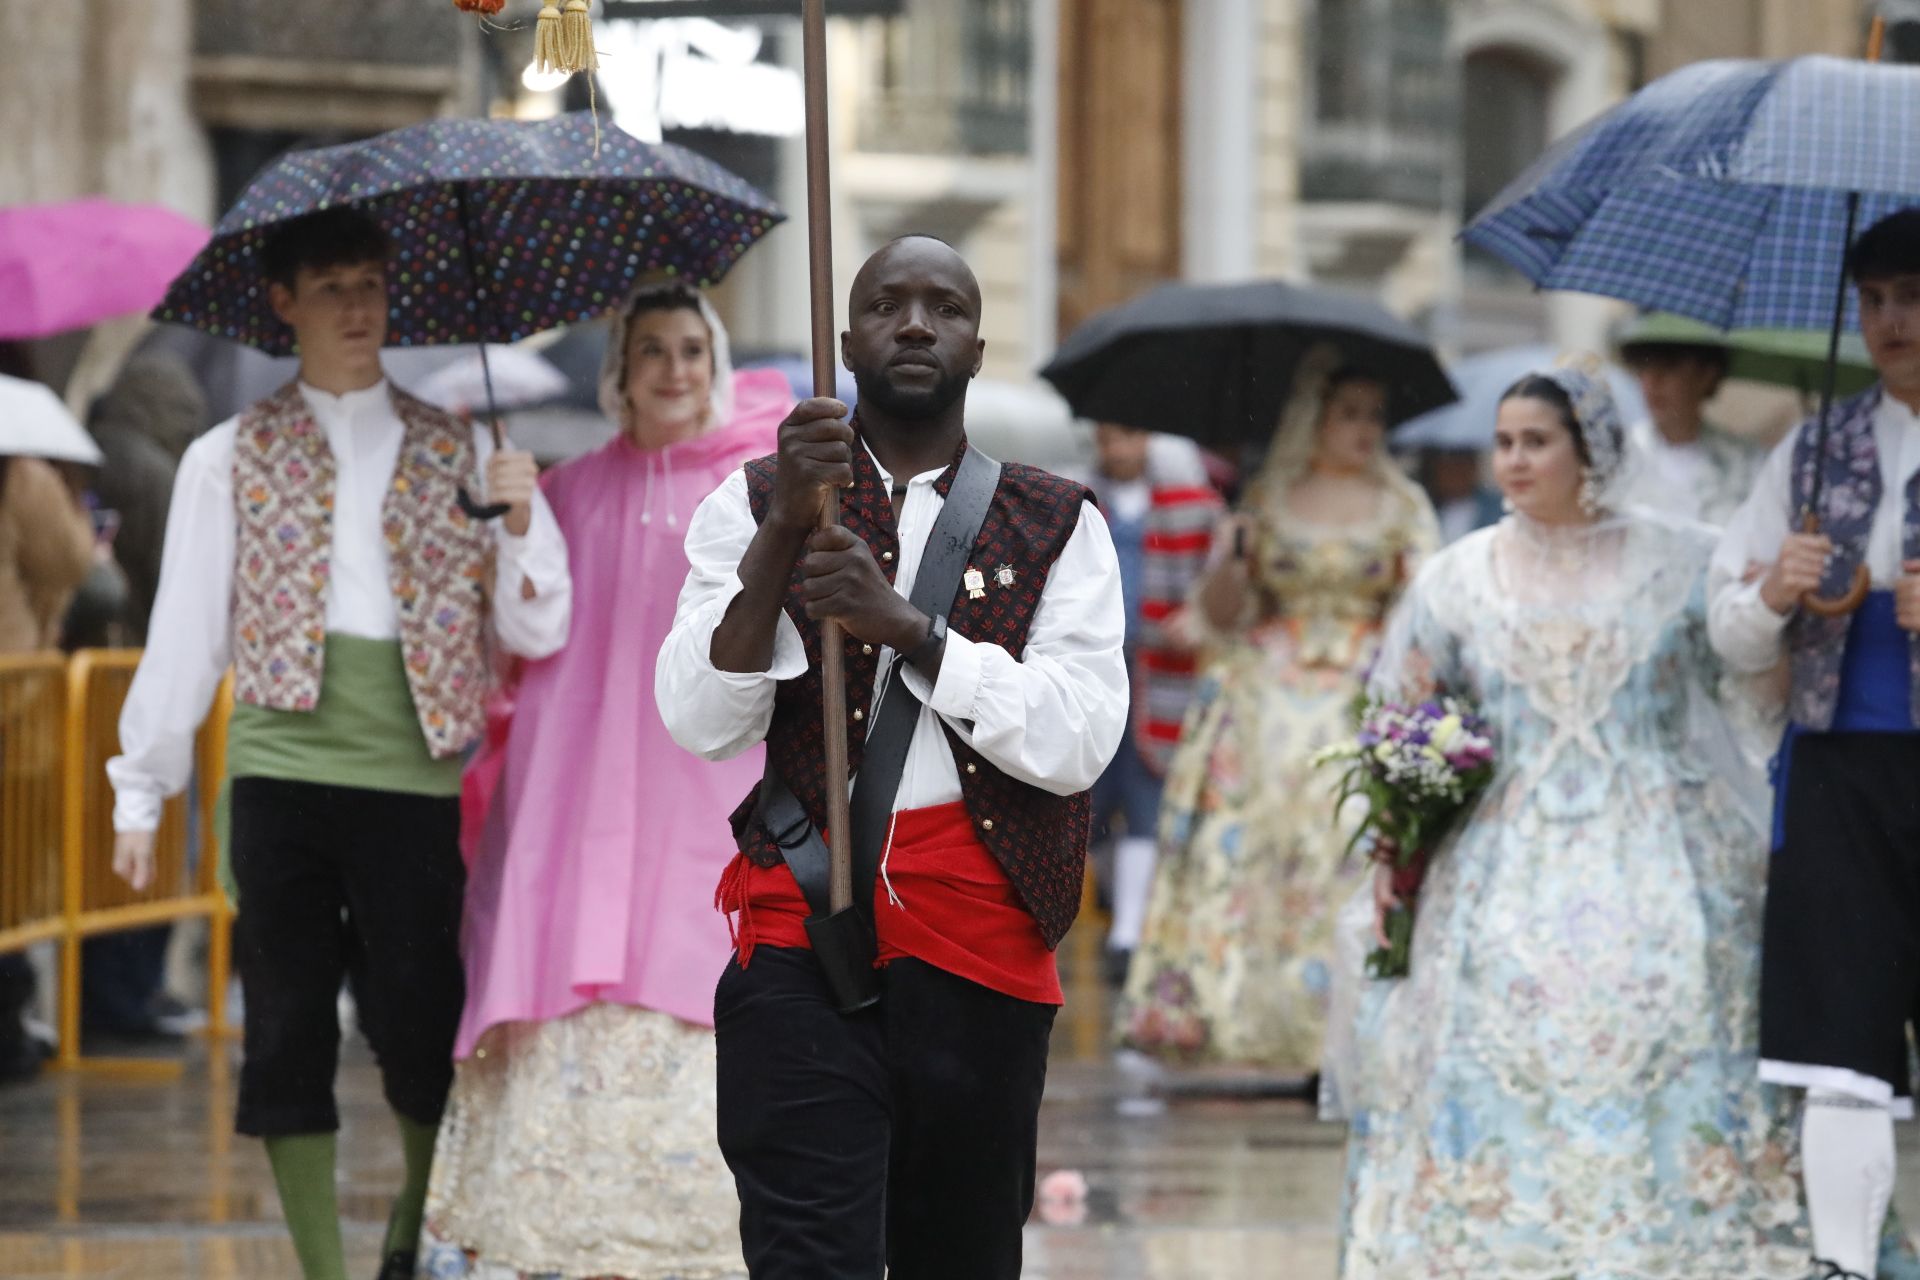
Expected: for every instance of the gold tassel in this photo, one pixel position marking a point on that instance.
(576, 36)
(546, 40)
(564, 43)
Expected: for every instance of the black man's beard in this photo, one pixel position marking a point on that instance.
(909, 404)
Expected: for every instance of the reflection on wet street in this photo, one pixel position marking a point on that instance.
(105, 1176)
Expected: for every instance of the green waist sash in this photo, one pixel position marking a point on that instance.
(363, 733)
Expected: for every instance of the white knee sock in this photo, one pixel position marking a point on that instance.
(1133, 859)
(1847, 1148)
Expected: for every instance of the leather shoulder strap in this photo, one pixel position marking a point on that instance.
(934, 587)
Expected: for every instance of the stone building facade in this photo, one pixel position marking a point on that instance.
(1338, 141)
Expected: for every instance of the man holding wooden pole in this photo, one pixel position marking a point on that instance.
(895, 1126)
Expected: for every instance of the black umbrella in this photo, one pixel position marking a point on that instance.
(1215, 363)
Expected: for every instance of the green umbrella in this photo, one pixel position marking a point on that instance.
(1779, 357)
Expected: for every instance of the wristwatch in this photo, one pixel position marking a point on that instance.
(936, 637)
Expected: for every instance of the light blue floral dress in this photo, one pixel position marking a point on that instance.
(1566, 1084)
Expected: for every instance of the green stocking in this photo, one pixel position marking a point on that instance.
(410, 1206)
(303, 1170)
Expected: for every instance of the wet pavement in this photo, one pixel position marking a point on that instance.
(105, 1175)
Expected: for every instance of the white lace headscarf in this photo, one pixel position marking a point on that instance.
(613, 366)
(1602, 431)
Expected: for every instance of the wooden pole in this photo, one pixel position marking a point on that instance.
(833, 676)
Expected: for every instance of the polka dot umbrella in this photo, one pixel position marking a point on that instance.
(501, 228)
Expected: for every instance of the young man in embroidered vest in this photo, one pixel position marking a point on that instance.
(1840, 974)
(901, 1136)
(317, 544)
(1161, 510)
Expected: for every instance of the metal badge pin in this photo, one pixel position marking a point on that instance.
(976, 584)
(1004, 575)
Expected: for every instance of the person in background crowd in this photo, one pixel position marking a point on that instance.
(1236, 961)
(46, 550)
(1689, 467)
(143, 423)
(1462, 499)
(1161, 510)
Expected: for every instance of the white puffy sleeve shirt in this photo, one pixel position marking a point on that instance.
(1051, 716)
(189, 644)
(1748, 635)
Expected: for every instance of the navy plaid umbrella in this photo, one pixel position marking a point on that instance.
(1720, 192)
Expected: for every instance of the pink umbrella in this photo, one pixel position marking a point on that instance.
(73, 264)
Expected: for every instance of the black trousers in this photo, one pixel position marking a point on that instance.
(1840, 958)
(340, 882)
(898, 1141)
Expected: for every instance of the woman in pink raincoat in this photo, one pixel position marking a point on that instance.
(580, 1137)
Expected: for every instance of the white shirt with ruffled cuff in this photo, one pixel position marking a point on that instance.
(1748, 634)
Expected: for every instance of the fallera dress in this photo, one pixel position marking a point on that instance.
(1565, 1085)
(1235, 963)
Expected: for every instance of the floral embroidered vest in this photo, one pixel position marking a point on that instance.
(440, 564)
(1039, 839)
(1850, 495)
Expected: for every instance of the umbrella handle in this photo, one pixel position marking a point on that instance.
(478, 511)
(1848, 601)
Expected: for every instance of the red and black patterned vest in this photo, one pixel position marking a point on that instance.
(1039, 838)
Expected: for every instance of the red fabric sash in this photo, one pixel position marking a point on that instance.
(951, 906)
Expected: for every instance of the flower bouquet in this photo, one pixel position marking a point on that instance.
(1418, 767)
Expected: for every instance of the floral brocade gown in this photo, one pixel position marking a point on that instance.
(1234, 965)
(1566, 1085)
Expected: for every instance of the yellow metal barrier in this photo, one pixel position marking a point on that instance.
(96, 901)
(33, 713)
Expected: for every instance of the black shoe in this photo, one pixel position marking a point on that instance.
(1114, 967)
(1834, 1271)
(400, 1265)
